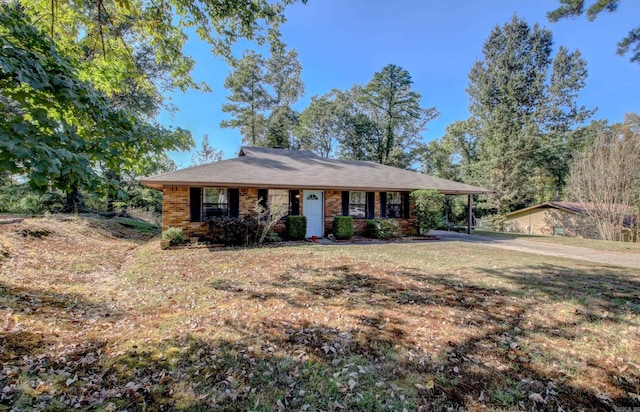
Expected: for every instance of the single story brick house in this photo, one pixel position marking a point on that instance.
(312, 186)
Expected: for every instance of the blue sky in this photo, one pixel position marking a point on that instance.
(344, 42)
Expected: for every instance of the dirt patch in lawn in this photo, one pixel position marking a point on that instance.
(98, 322)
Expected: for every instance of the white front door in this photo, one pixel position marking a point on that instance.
(312, 209)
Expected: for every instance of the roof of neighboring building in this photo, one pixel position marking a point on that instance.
(279, 168)
(573, 207)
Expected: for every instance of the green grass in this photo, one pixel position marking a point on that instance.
(144, 227)
(596, 244)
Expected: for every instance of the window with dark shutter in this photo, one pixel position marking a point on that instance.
(371, 208)
(405, 205)
(345, 203)
(294, 202)
(195, 201)
(393, 204)
(234, 203)
(383, 204)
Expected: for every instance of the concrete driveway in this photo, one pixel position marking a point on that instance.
(630, 260)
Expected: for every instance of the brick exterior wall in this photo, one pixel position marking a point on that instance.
(176, 211)
(332, 207)
(248, 200)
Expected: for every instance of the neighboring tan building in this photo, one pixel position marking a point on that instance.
(312, 186)
(552, 218)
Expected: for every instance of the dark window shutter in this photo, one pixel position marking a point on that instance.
(234, 203)
(262, 197)
(383, 204)
(345, 203)
(195, 200)
(294, 202)
(405, 205)
(371, 208)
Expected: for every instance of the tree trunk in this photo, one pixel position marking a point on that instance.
(74, 202)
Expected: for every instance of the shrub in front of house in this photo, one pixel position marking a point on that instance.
(174, 235)
(234, 232)
(296, 227)
(383, 229)
(343, 227)
(429, 209)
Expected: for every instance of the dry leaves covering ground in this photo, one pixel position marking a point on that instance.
(92, 317)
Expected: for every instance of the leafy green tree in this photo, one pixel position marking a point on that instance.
(575, 8)
(58, 130)
(395, 108)
(112, 35)
(357, 132)
(318, 126)
(429, 209)
(206, 153)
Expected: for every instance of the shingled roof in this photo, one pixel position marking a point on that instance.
(278, 168)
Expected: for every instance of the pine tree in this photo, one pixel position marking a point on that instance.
(521, 117)
(249, 98)
(395, 108)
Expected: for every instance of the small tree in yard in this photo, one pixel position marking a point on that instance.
(430, 206)
(267, 218)
(606, 176)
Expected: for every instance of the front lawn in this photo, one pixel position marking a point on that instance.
(91, 321)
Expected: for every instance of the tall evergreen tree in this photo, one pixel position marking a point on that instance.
(283, 74)
(515, 108)
(249, 98)
(262, 92)
(280, 128)
(395, 108)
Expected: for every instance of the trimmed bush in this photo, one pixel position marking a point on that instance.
(174, 235)
(343, 227)
(383, 229)
(296, 227)
(235, 232)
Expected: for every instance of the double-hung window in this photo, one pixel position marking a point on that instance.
(212, 202)
(358, 205)
(394, 204)
(290, 199)
(215, 202)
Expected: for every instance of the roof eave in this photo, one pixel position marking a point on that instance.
(158, 185)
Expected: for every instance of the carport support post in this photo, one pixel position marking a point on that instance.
(469, 213)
